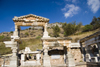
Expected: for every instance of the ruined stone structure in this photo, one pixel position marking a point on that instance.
(56, 51)
(90, 47)
(54, 24)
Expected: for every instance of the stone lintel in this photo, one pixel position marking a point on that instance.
(20, 23)
(16, 39)
(59, 41)
(58, 38)
(10, 44)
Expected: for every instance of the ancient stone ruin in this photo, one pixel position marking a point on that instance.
(55, 52)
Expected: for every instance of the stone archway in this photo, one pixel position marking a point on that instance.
(27, 20)
(30, 20)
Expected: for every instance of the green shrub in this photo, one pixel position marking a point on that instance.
(4, 50)
(11, 31)
(56, 31)
(71, 28)
(38, 37)
(87, 28)
(26, 33)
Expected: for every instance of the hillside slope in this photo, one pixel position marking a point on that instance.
(32, 39)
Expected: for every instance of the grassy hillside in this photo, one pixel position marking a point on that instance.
(33, 39)
(81, 35)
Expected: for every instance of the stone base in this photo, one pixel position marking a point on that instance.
(70, 60)
(30, 63)
(13, 61)
(15, 33)
(46, 61)
(45, 34)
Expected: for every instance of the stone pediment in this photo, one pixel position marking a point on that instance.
(30, 18)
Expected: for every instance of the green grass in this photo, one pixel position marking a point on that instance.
(34, 44)
(38, 37)
(3, 49)
(4, 38)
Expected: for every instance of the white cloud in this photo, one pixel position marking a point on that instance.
(73, 1)
(70, 10)
(94, 5)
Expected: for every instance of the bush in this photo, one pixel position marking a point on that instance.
(71, 28)
(38, 37)
(26, 33)
(56, 31)
(87, 28)
(11, 31)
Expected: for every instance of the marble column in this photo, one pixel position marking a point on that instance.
(45, 34)
(70, 58)
(16, 31)
(46, 58)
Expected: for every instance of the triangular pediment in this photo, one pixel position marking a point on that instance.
(29, 18)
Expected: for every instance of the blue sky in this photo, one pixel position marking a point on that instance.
(56, 10)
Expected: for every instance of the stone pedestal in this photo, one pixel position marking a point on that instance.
(45, 34)
(38, 59)
(13, 61)
(22, 59)
(14, 46)
(46, 59)
(14, 58)
(70, 59)
(87, 57)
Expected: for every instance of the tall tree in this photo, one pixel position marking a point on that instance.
(95, 23)
(71, 28)
(56, 31)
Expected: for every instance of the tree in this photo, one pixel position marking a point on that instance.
(79, 26)
(87, 28)
(56, 31)
(71, 28)
(95, 23)
(11, 31)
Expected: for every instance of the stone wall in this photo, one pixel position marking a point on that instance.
(77, 55)
(56, 53)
